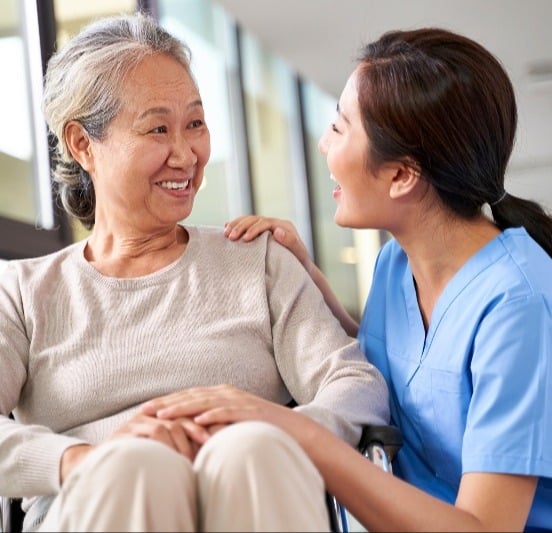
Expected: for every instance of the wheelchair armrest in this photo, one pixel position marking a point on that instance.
(5, 514)
(11, 515)
(380, 444)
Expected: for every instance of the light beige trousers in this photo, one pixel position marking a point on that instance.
(249, 476)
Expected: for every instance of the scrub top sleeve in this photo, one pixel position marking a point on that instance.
(508, 422)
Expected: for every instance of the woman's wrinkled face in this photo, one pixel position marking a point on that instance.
(346, 146)
(149, 166)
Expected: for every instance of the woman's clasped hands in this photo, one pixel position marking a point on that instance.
(181, 434)
(185, 420)
(202, 411)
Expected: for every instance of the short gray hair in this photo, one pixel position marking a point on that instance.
(83, 83)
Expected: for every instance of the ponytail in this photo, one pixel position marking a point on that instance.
(512, 211)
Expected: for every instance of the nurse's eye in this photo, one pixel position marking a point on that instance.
(334, 127)
(159, 129)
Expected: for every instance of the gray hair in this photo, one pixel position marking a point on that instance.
(83, 82)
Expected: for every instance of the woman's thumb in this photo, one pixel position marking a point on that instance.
(280, 235)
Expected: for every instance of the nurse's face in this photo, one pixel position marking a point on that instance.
(359, 194)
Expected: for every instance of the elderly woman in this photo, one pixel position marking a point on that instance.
(146, 307)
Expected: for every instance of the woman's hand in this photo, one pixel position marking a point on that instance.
(180, 433)
(219, 404)
(224, 404)
(249, 227)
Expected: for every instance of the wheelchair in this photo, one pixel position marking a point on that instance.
(378, 444)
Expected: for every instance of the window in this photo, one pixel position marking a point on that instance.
(205, 28)
(275, 137)
(70, 17)
(17, 198)
(28, 224)
(336, 254)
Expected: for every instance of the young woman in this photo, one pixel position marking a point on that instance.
(459, 317)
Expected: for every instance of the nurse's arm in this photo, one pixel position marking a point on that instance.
(502, 501)
(380, 501)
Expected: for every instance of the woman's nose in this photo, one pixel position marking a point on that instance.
(323, 143)
(181, 154)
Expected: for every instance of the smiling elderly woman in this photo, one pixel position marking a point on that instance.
(146, 307)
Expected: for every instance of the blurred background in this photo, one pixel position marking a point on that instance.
(270, 73)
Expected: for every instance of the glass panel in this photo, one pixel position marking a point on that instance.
(274, 136)
(71, 16)
(207, 31)
(17, 199)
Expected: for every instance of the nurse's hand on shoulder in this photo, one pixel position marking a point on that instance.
(248, 227)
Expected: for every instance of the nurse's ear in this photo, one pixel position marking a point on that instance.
(78, 143)
(405, 178)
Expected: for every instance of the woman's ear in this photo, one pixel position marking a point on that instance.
(78, 142)
(404, 181)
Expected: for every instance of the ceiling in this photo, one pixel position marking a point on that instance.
(320, 39)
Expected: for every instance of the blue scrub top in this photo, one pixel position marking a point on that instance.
(475, 393)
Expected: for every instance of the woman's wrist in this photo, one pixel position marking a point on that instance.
(71, 457)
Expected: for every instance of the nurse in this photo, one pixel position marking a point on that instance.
(459, 318)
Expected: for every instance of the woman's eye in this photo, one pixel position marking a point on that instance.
(196, 124)
(159, 129)
(334, 127)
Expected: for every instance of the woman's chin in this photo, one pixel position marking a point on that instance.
(340, 220)
(341, 215)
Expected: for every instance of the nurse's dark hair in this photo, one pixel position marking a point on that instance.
(84, 82)
(442, 102)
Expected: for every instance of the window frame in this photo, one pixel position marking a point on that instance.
(20, 239)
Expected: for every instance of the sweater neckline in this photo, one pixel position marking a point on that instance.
(155, 278)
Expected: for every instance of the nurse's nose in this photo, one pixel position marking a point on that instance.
(323, 142)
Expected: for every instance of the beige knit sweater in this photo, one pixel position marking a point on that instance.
(80, 351)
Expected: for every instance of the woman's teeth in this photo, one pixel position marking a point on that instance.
(174, 185)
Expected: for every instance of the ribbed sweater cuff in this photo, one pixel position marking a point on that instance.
(39, 463)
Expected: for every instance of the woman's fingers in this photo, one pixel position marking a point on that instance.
(212, 406)
(217, 406)
(182, 435)
(226, 415)
(236, 228)
(183, 403)
(287, 235)
(196, 433)
(189, 402)
(214, 428)
(249, 227)
(245, 408)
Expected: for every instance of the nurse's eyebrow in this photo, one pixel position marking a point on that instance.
(341, 114)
